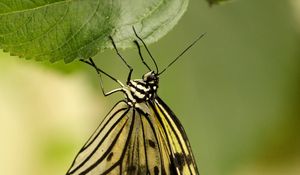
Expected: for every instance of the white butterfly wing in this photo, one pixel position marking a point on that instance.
(147, 140)
(101, 153)
(181, 155)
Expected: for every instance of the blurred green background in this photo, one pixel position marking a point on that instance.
(236, 93)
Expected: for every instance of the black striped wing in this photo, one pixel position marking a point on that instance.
(147, 140)
(102, 152)
(124, 143)
(181, 155)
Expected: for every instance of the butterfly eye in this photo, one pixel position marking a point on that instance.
(149, 76)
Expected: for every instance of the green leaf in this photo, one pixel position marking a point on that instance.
(213, 2)
(69, 29)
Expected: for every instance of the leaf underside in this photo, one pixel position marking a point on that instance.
(69, 29)
(213, 2)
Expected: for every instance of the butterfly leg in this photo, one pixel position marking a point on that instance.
(118, 53)
(144, 44)
(140, 53)
(99, 71)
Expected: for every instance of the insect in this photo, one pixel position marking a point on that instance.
(140, 135)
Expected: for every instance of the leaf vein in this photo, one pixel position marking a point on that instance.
(51, 28)
(35, 8)
(73, 36)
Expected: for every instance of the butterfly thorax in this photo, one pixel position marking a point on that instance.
(144, 89)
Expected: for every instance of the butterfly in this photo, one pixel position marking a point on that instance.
(140, 135)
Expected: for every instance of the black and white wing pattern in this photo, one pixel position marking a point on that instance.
(103, 152)
(182, 161)
(124, 143)
(148, 140)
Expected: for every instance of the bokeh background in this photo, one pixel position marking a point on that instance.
(236, 93)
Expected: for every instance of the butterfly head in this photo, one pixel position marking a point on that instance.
(151, 78)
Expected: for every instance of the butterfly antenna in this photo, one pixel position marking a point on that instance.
(183, 52)
(146, 49)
